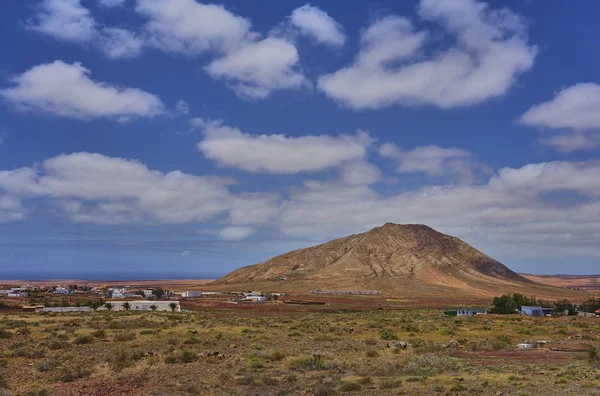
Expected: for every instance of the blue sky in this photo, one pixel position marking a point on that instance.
(178, 138)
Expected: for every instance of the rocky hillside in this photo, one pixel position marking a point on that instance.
(396, 259)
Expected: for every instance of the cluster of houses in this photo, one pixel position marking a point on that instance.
(15, 292)
(533, 311)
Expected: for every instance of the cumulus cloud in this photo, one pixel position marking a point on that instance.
(68, 20)
(249, 63)
(516, 210)
(252, 65)
(277, 153)
(11, 209)
(192, 28)
(574, 110)
(395, 65)
(258, 68)
(236, 233)
(67, 90)
(185, 253)
(455, 163)
(100, 189)
(360, 173)
(318, 25)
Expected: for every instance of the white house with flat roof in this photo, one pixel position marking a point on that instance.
(191, 294)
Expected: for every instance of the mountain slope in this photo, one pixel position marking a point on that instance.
(412, 260)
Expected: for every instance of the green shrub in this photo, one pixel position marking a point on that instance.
(348, 386)
(84, 339)
(99, 333)
(388, 335)
(390, 384)
(276, 356)
(70, 374)
(127, 336)
(254, 363)
(314, 362)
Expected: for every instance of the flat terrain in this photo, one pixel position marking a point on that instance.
(187, 284)
(349, 346)
(589, 283)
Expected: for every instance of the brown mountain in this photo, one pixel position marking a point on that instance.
(402, 260)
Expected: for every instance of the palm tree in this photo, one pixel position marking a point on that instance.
(173, 306)
(126, 306)
(108, 306)
(153, 307)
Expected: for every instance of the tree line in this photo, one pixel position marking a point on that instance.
(512, 303)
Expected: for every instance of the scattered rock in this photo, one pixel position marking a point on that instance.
(397, 345)
(453, 344)
(232, 346)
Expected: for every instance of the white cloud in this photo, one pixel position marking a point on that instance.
(360, 173)
(68, 20)
(182, 107)
(99, 189)
(119, 43)
(185, 253)
(235, 233)
(66, 90)
(436, 161)
(258, 68)
(189, 27)
(573, 141)
(277, 153)
(317, 24)
(65, 20)
(395, 67)
(252, 65)
(11, 209)
(515, 214)
(575, 109)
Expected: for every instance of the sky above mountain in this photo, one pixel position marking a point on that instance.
(169, 138)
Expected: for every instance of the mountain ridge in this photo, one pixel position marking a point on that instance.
(411, 259)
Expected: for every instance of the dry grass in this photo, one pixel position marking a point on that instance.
(237, 352)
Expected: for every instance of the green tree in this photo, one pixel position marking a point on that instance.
(126, 306)
(158, 292)
(591, 305)
(564, 305)
(109, 306)
(153, 307)
(512, 303)
(173, 306)
(95, 305)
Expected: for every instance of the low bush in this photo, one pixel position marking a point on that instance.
(388, 335)
(127, 336)
(348, 386)
(84, 339)
(314, 362)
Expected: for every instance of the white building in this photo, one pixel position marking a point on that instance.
(118, 293)
(191, 294)
(144, 305)
(65, 309)
(255, 298)
(17, 294)
(148, 293)
(61, 290)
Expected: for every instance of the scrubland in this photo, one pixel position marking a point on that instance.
(235, 352)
